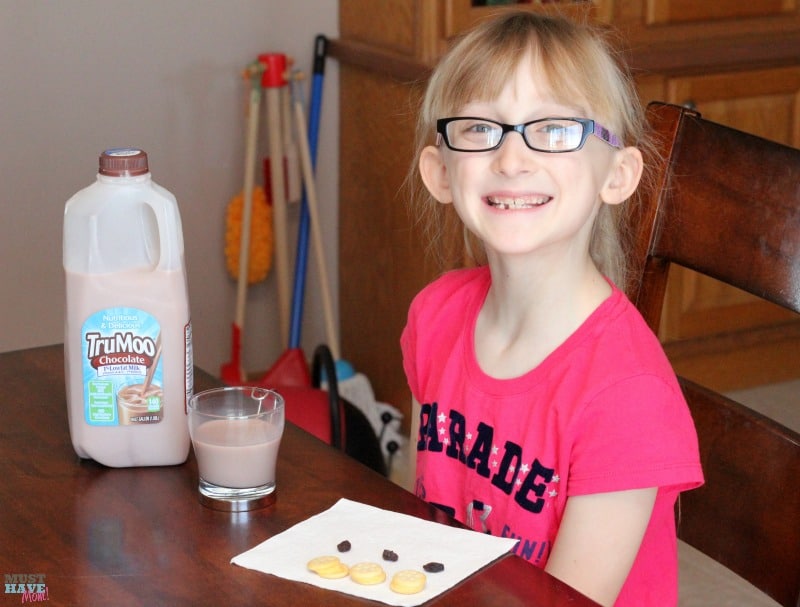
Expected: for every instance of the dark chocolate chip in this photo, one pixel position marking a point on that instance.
(388, 555)
(433, 567)
(343, 546)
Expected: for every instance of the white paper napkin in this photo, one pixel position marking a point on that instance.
(370, 531)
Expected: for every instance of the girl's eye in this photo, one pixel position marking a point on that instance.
(553, 129)
(555, 134)
(480, 128)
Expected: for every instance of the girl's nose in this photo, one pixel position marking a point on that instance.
(513, 156)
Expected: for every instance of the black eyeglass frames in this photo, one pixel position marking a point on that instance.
(553, 135)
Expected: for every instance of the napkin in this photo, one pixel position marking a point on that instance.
(370, 531)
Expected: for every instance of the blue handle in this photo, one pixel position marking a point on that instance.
(301, 260)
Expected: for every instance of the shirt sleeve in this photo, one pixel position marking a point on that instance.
(408, 346)
(636, 433)
(430, 329)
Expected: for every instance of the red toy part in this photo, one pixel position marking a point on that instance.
(274, 75)
(309, 408)
(291, 369)
(231, 372)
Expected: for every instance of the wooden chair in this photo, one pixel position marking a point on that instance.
(726, 204)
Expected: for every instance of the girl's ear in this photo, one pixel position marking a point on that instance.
(434, 174)
(624, 177)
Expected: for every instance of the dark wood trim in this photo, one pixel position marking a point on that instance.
(716, 54)
(385, 63)
(772, 49)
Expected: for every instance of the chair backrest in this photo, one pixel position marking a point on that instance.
(726, 204)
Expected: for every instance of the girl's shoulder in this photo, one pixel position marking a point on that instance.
(450, 302)
(454, 286)
(624, 321)
(616, 346)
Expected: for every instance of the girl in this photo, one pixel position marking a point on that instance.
(544, 408)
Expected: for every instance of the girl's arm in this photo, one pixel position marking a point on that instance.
(411, 480)
(598, 540)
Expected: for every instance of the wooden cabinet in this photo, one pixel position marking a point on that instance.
(737, 62)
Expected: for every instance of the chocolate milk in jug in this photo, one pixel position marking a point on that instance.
(128, 335)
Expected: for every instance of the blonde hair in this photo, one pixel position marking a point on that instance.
(581, 69)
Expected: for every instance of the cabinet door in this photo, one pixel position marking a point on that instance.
(663, 12)
(397, 28)
(763, 102)
(460, 15)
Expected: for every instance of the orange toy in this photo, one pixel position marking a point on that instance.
(261, 241)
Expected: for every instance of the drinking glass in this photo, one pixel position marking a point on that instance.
(236, 433)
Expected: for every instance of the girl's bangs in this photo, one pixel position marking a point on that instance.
(481, 75)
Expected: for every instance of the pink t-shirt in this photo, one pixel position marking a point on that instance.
(602, 413)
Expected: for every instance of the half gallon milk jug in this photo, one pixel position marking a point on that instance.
(128, 342)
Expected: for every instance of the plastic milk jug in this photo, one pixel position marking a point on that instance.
(128, 336)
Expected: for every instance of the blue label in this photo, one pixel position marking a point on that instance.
(122, 368)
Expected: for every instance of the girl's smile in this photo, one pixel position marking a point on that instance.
(508, 203)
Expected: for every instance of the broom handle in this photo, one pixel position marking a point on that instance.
(316, 232)
(301, 259)
(279, 208)
(247, 204)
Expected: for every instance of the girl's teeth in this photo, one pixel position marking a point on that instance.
(518, 203)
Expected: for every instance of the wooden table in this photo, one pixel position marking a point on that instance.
(139, 536)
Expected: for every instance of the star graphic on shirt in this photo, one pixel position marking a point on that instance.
(495, 450)
(442, 431)
(446, 442)
(524, 468)
(552, 493)
(442, 418)
(469, 435)
(556, 478)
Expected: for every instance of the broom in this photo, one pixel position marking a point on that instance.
(248, 234)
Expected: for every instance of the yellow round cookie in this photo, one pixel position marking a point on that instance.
(367, 573)
(329, 567)
(322, 562)
(340, 570)
(408, 581)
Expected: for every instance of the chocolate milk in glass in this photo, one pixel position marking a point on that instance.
(251, 463)
(128, 336)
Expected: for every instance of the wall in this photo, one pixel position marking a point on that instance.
(78, 77)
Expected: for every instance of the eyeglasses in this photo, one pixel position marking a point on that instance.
(554, 135)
